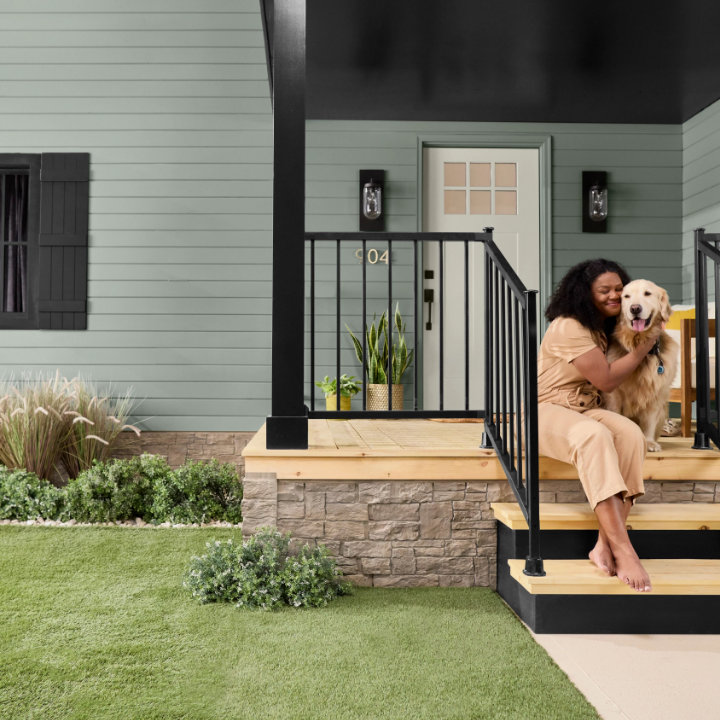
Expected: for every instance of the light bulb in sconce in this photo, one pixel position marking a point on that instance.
(372, 200)
(598, 203)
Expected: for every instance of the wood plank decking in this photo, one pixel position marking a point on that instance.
(427, 450)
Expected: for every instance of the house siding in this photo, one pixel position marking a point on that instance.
(701, 188)
(170, 98)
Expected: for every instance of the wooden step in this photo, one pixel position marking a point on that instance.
(643, 516)
(581, 577)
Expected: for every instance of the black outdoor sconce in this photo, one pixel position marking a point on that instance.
(372, 192)
(595, 201)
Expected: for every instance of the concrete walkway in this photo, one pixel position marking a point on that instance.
(641, 677)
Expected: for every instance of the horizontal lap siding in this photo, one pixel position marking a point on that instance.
(701, 187)
(644, 165)
(170, 98)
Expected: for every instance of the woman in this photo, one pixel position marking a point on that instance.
(607, 449)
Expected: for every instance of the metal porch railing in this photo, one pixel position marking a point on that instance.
(706, 252)
(510, 378)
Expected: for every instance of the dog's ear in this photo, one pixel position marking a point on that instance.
(665, 308)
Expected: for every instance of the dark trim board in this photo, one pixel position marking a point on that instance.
(608, 614)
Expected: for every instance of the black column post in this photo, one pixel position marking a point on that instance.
(287, 426)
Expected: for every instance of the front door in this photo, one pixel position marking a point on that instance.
(465, 190)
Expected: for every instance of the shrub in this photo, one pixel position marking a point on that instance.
(197, 492)
(115, 490)
(261, 574)
(25, 496)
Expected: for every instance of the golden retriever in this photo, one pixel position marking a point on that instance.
(644, 396)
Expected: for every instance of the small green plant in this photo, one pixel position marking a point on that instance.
(261, 573)
(378, 350)
(115, 490)
(349, 387)
(25, 496)
(197, 492)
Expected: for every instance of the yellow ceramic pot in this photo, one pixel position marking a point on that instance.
(331, 402)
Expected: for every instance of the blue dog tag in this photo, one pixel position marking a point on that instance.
(661, 369)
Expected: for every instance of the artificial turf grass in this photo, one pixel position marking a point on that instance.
(94, 623)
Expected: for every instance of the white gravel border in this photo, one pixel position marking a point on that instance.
(136, 523)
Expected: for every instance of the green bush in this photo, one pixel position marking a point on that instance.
(262, 574)
(197, 492)
(24, 496)
(115, 490)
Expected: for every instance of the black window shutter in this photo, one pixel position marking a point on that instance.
(63, 241)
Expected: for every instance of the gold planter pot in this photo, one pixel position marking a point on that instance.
(377, 397)
(331, 402)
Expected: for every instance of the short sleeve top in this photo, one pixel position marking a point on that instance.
(559, 381)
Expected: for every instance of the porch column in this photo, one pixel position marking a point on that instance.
(287, 426)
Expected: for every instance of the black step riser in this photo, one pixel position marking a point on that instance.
(608, 614)
(649, 544)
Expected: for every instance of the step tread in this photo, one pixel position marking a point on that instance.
(643, 516)
(581, 577)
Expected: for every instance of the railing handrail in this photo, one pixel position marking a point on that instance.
(400, 236)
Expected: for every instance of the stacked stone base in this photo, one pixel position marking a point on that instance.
(412, 534)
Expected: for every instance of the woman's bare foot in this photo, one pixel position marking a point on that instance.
(602, 556)
(629, 569)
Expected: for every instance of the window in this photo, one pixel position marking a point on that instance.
(43, 240)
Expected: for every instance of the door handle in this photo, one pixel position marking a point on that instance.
(428, 297)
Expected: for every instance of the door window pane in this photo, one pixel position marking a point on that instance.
(480, 175)
(506, 202)
(455, 174)
(480, 202)
(455, 202)
(505, 175)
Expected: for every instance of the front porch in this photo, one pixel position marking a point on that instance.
(410, 503)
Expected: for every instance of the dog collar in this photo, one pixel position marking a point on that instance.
(656, 351)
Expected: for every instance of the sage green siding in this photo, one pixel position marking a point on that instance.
(701, 187)
(170, 98)
(644, 165)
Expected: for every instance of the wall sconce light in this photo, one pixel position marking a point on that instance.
(372, 191)
(595, 201)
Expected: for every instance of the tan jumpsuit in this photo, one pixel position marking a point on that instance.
(606, 448)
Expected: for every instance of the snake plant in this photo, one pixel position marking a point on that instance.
(377, 342)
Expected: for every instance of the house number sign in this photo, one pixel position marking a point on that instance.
(373, 257)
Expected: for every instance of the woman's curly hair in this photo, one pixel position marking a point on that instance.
(573, 296)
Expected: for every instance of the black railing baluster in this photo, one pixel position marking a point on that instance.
(489, 378)
(415, 324)
(442, 318)
(467, 328)
(363, 323)
(312, 324)
(337, 331)
(496, 365)
(391, 318)
(716, 413)
(518, 385)
(503, 365)
(511, 366)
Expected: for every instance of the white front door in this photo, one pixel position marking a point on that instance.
(465, 190)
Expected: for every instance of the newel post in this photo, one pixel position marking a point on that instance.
(287, 426)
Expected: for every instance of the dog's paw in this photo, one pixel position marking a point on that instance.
(652, 446)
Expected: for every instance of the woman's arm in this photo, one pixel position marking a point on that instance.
(609, 376)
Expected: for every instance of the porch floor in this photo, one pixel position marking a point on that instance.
(429, 450)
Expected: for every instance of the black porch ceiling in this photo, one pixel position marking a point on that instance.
(512, 60)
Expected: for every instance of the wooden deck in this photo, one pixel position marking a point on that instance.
(428, 450)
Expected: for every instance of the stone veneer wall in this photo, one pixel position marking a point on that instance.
(178, 447)
(412, 534)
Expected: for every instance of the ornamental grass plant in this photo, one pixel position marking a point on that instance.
(49, 421)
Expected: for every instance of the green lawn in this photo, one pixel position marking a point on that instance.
(94, 623)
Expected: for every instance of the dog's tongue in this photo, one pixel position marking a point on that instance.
(638, 325)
